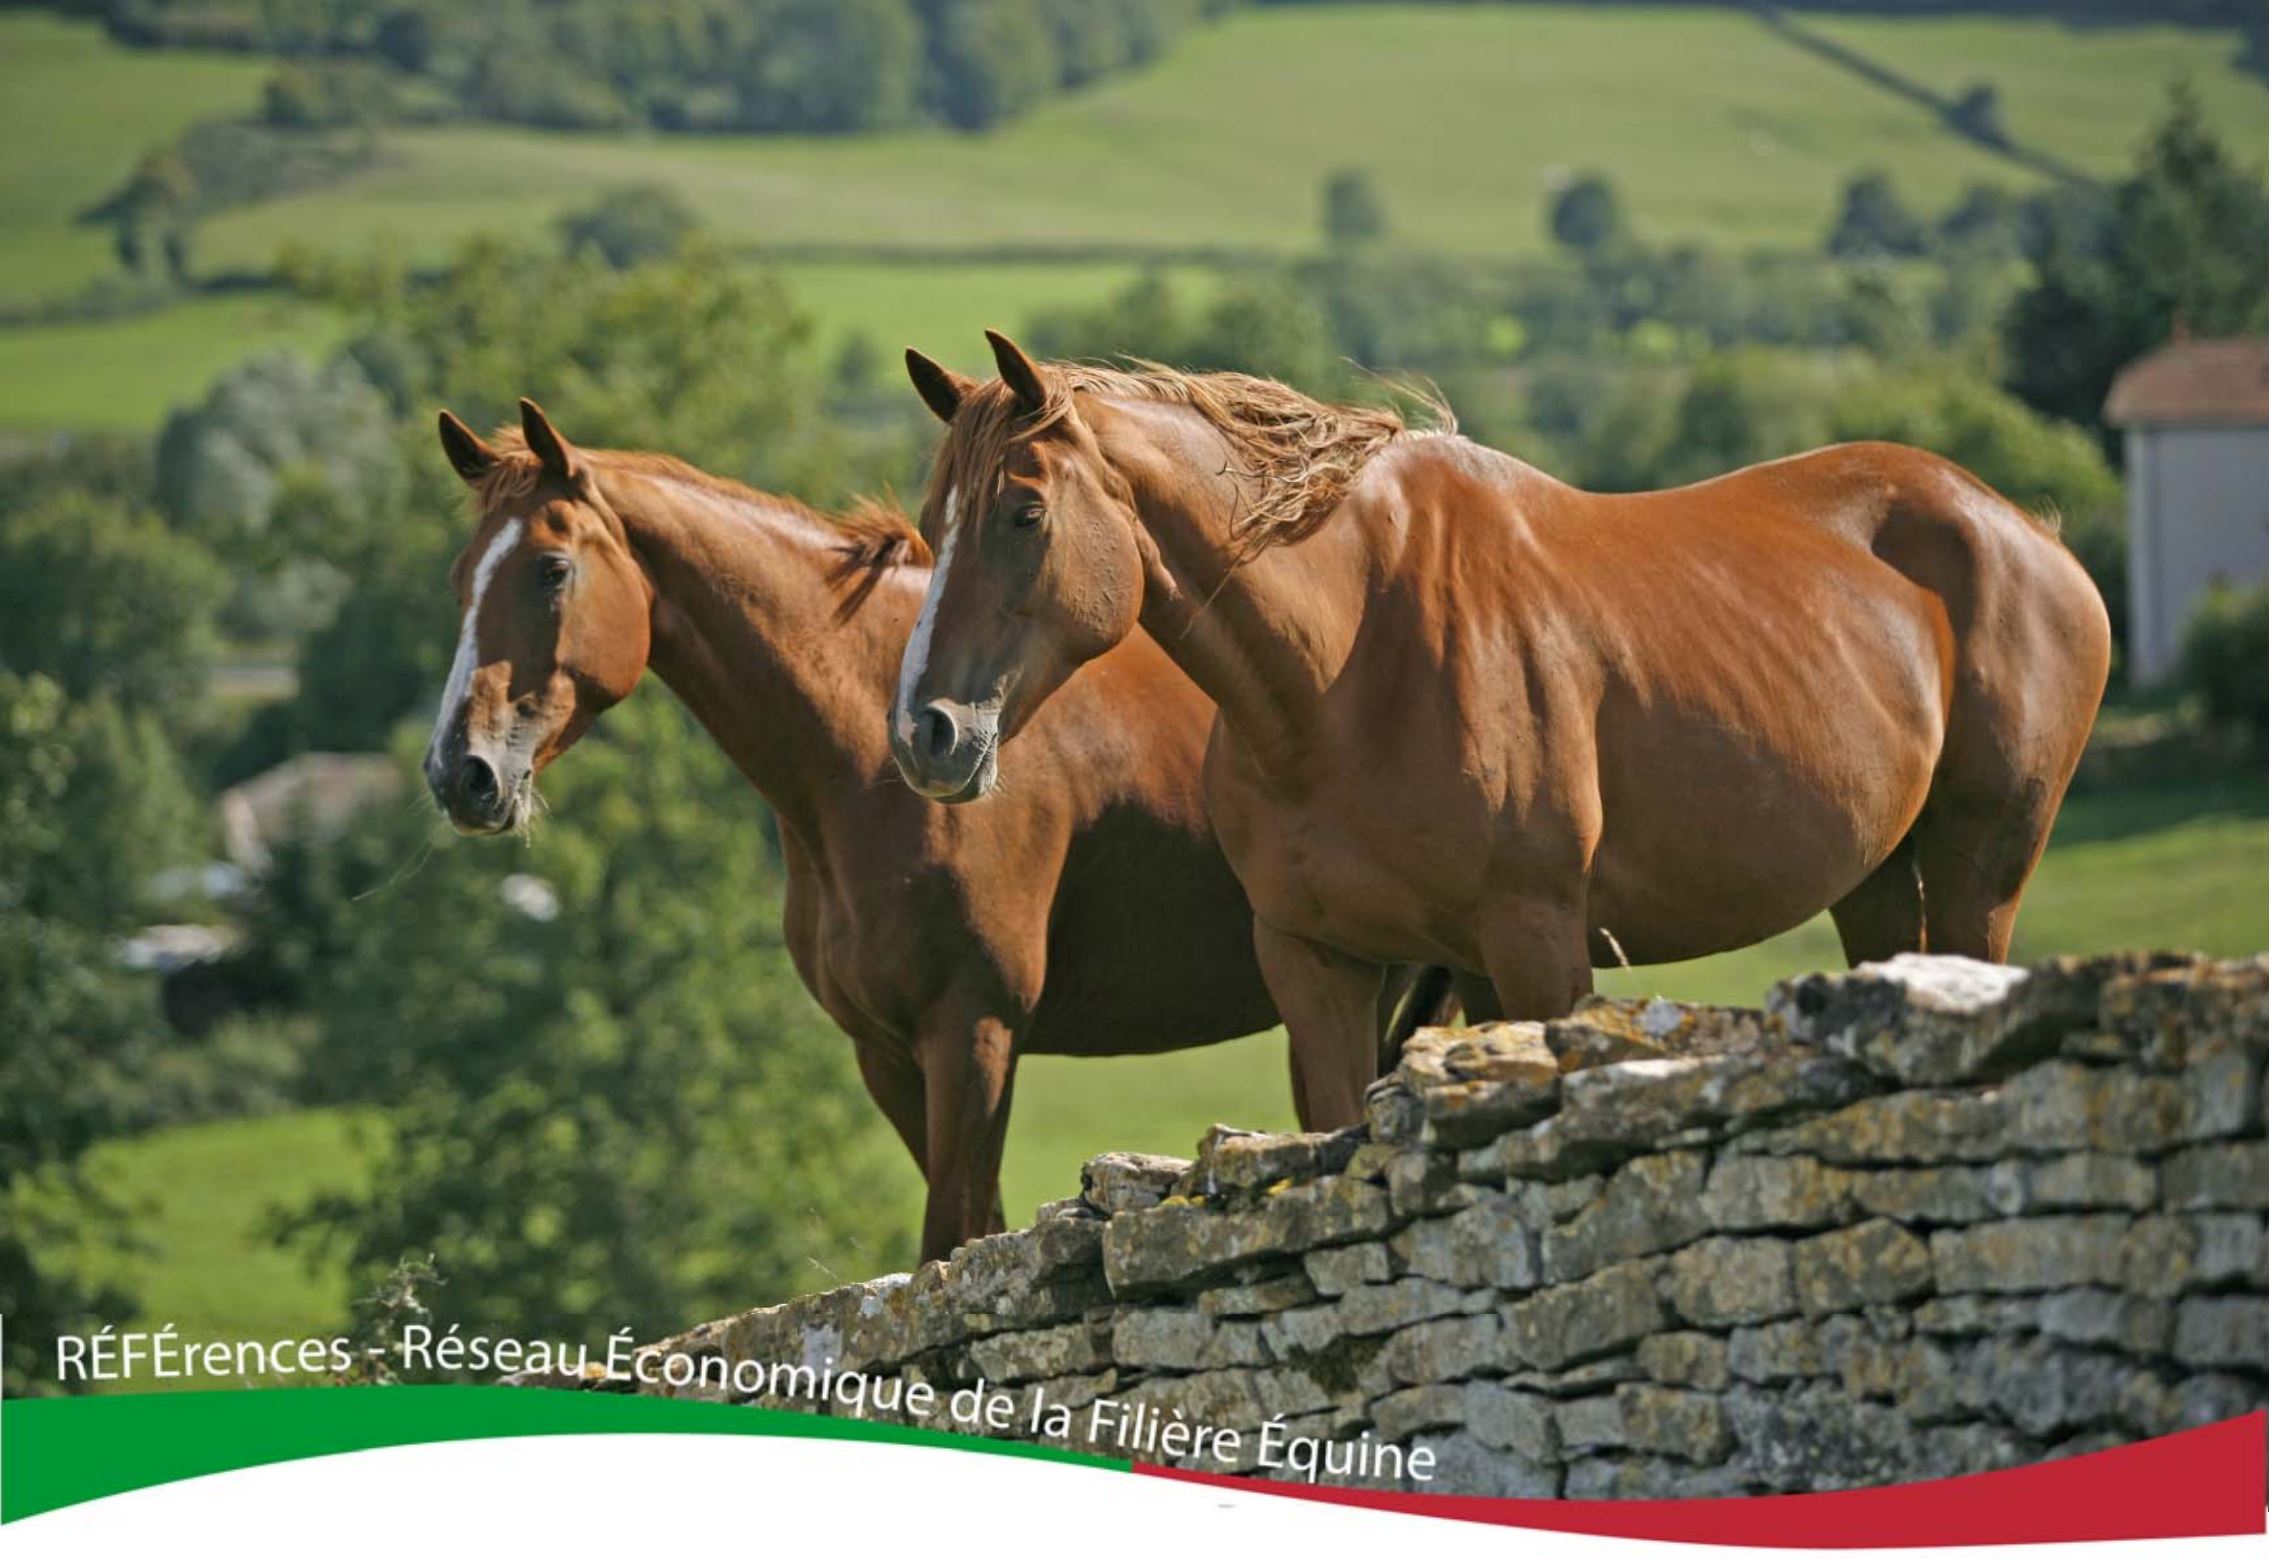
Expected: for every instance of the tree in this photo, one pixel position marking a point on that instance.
(107, 602)
(153, 213)
(2179, 245)
(626, 1114)
(406, 38)
(2192, 239)
(630, 224)
(1144, 319)
(1267, 328)
(1978, 115)
(223, 464)
(1353, 212)
(88, 800)
(1873, 222)
(321, 96)
(1985, 220)
(832, 67)
(1585, 215)
(1262, 325)
(855, 365)
(1089, 40)
(992, 60)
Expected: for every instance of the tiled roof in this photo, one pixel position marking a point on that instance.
(2214, 383)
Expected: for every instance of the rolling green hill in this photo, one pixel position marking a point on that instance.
(1713, 126)
(76, 112)
(126, 374)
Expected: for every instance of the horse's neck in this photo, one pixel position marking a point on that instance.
(1264, 639)
(744, 630)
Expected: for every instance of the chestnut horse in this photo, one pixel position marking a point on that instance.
(1471, 716)
(1084, 910)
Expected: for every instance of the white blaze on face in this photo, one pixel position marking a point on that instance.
(463, 660)
(922, 637)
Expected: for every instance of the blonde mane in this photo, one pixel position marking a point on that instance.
(1302, 454)
(875, 535)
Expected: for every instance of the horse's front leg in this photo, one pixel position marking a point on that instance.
(967, 1059)
(1330, 1006)
(893, 1079)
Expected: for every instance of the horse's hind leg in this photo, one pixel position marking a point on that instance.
(1885, 915)
(2003, 770)
(2012, 746)
(2030, 668)
(1478, 996)
(1975, 854)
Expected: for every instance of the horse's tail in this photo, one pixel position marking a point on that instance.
(1429, 997)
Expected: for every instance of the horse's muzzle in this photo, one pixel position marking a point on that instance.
(945, 751)
(475, 796)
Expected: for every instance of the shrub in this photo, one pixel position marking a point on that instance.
(1353, 212)
(2223, 662)
(1873, 223)
(630, 224)
(1585, 216)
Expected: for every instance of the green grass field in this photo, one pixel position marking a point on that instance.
(1465, 115)
(200, 1200)
(127, 374)
(76, 112)
(2181, 867)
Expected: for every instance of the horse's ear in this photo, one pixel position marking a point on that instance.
(539, 434)
(939, 387)
(470, 456)
(1021, 374)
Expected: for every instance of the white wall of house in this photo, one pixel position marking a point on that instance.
(2198, 515)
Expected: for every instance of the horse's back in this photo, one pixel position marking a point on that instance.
(2026, 627)
(1845, 522)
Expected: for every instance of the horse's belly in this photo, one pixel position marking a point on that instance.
(1343, 866)
(1151, 950)
(1707, 844)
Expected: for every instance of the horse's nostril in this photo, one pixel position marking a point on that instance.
(479, 782)
(938, 732)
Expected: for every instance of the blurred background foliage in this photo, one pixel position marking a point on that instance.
(580, 1075)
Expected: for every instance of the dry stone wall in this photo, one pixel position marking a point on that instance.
(1926, 1218)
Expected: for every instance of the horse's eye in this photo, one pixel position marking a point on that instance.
(555, 571)
(1028, 516)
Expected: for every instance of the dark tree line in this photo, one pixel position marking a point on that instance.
(808, 66)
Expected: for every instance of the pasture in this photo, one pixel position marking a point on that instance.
(124, 375)
(77, 112)
(1465, 116)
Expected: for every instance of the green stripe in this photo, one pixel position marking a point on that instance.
(57, 1451)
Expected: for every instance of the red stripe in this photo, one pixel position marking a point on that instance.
(2208, 1482)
